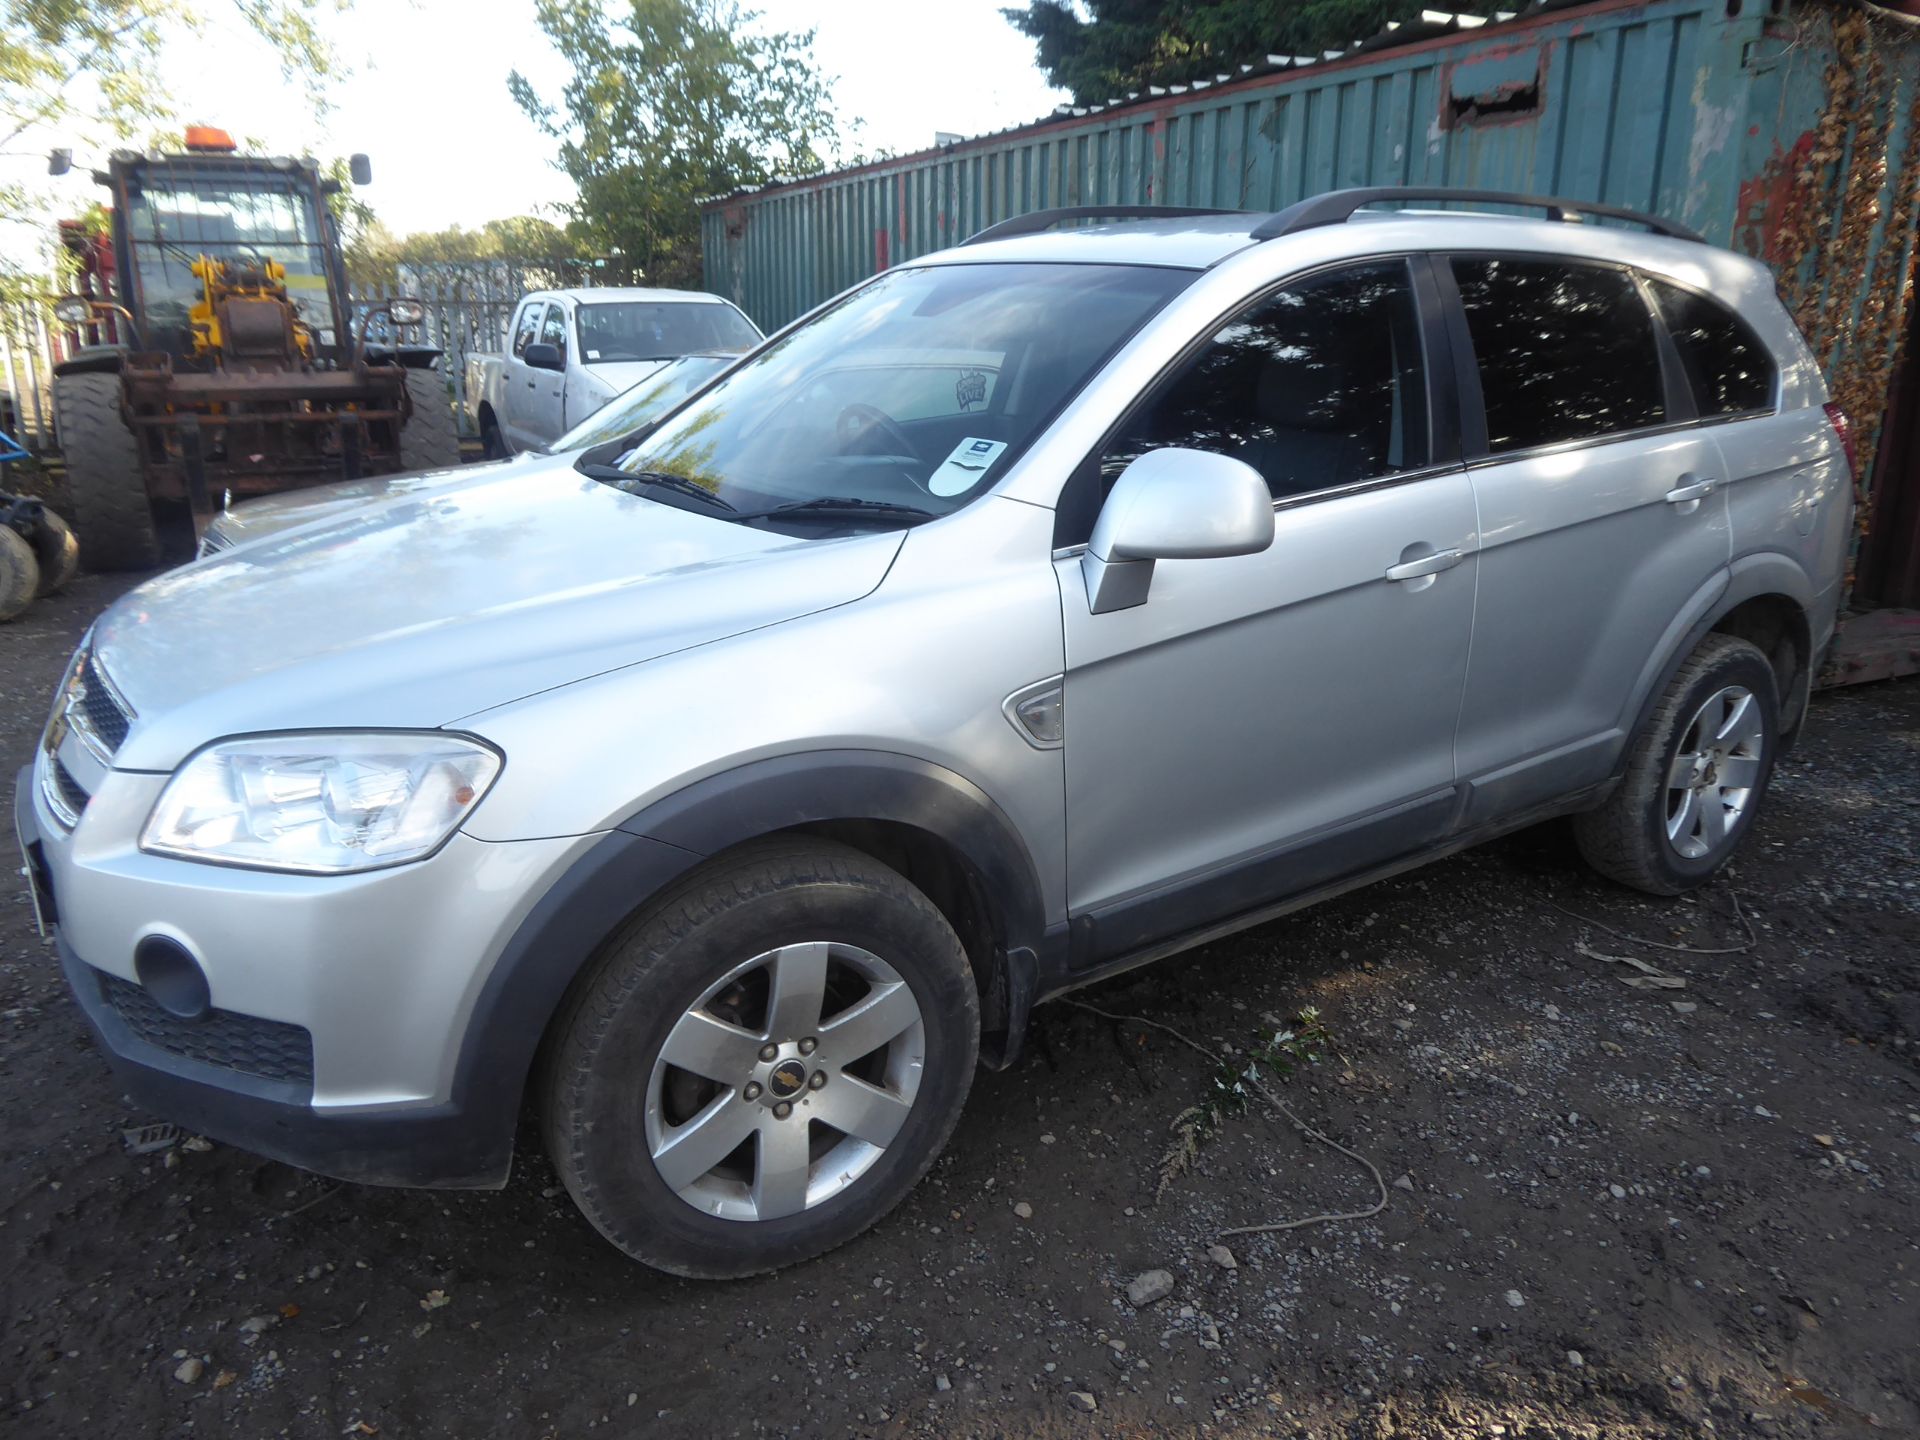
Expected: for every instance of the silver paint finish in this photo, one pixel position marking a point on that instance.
(415, 611)
(1496, 627)
(1252, 701)
(383, 968)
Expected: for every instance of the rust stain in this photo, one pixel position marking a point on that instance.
(1783, 187)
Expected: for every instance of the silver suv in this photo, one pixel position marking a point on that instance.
(1026, 613)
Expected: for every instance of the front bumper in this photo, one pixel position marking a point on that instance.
(444, 1145)
(375, 1028)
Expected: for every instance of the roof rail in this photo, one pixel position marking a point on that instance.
(1034, 222)
(1336, 207)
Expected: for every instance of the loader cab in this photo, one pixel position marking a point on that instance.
(252, 215)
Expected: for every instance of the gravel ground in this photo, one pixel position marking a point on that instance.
(1611, 1211)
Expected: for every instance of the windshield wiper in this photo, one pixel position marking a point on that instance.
(840, 505)
(654, 480)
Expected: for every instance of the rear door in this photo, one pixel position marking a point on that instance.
(1603, 517)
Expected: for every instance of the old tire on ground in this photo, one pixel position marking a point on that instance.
(104, 478)
(58, 552)
(1696, 774)
(428, 440)
(19, 574)
(763, 1062)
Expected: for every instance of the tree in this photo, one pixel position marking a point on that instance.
(90, 70)
(1107, 49)
(671, 102)
(375, 254)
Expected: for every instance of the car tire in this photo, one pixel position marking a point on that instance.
(735, 1162)
(492, 445)
(1681, 809)
(19, 574)
(58, 551)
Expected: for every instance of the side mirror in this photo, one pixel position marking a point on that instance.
(542, 356)
(360, 168)
(1173, 504)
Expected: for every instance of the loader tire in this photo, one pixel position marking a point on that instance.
(428, 440)
(19, 574)
(105, 480)
(58, 552)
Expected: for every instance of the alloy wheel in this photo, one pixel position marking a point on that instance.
(785, 1081)
(1712, 777)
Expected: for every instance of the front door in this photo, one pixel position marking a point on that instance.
(1265, 724)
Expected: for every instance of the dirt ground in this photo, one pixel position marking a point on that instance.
(1612, 1211)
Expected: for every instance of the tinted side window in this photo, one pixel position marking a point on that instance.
(1319, 385)
(553, 330)
(1729, 369)
(528, 327)
(1566, 352)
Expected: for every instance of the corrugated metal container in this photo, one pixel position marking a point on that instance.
(1700, 110)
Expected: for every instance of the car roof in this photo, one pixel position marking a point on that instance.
(608, 294)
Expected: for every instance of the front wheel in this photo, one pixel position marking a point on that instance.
(764, 1063)
(1696, 776)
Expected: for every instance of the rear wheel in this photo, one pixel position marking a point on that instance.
(428, 439)
(105, 480)
(764, 1063)
(1696, 777)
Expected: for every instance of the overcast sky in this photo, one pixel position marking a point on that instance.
(428, 99)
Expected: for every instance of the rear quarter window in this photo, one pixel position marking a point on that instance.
(1566, 351)
(1730, 371)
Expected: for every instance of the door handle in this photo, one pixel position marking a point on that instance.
(1690, 489)
(1426, 565)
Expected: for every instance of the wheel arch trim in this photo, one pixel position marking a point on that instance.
(787, 792)
(1751, 577)
(658, 843)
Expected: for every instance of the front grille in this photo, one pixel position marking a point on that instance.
(270, 1049)
(97, 709)
(72, 798)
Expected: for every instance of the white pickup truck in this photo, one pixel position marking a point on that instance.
(571, 351)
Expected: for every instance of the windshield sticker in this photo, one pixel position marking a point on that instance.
(970, 390)
(593, 354)
(962, 470)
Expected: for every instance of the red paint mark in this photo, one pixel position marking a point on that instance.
(1766, 199)
(880, 251)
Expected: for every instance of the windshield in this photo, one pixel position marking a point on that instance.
(639, 407)
(904, 401)
(174, 219)
(660, 329)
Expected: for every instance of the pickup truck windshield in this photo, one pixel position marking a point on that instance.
(901, 403)
(659, 330)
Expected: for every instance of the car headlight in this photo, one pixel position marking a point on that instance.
(321, 804)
